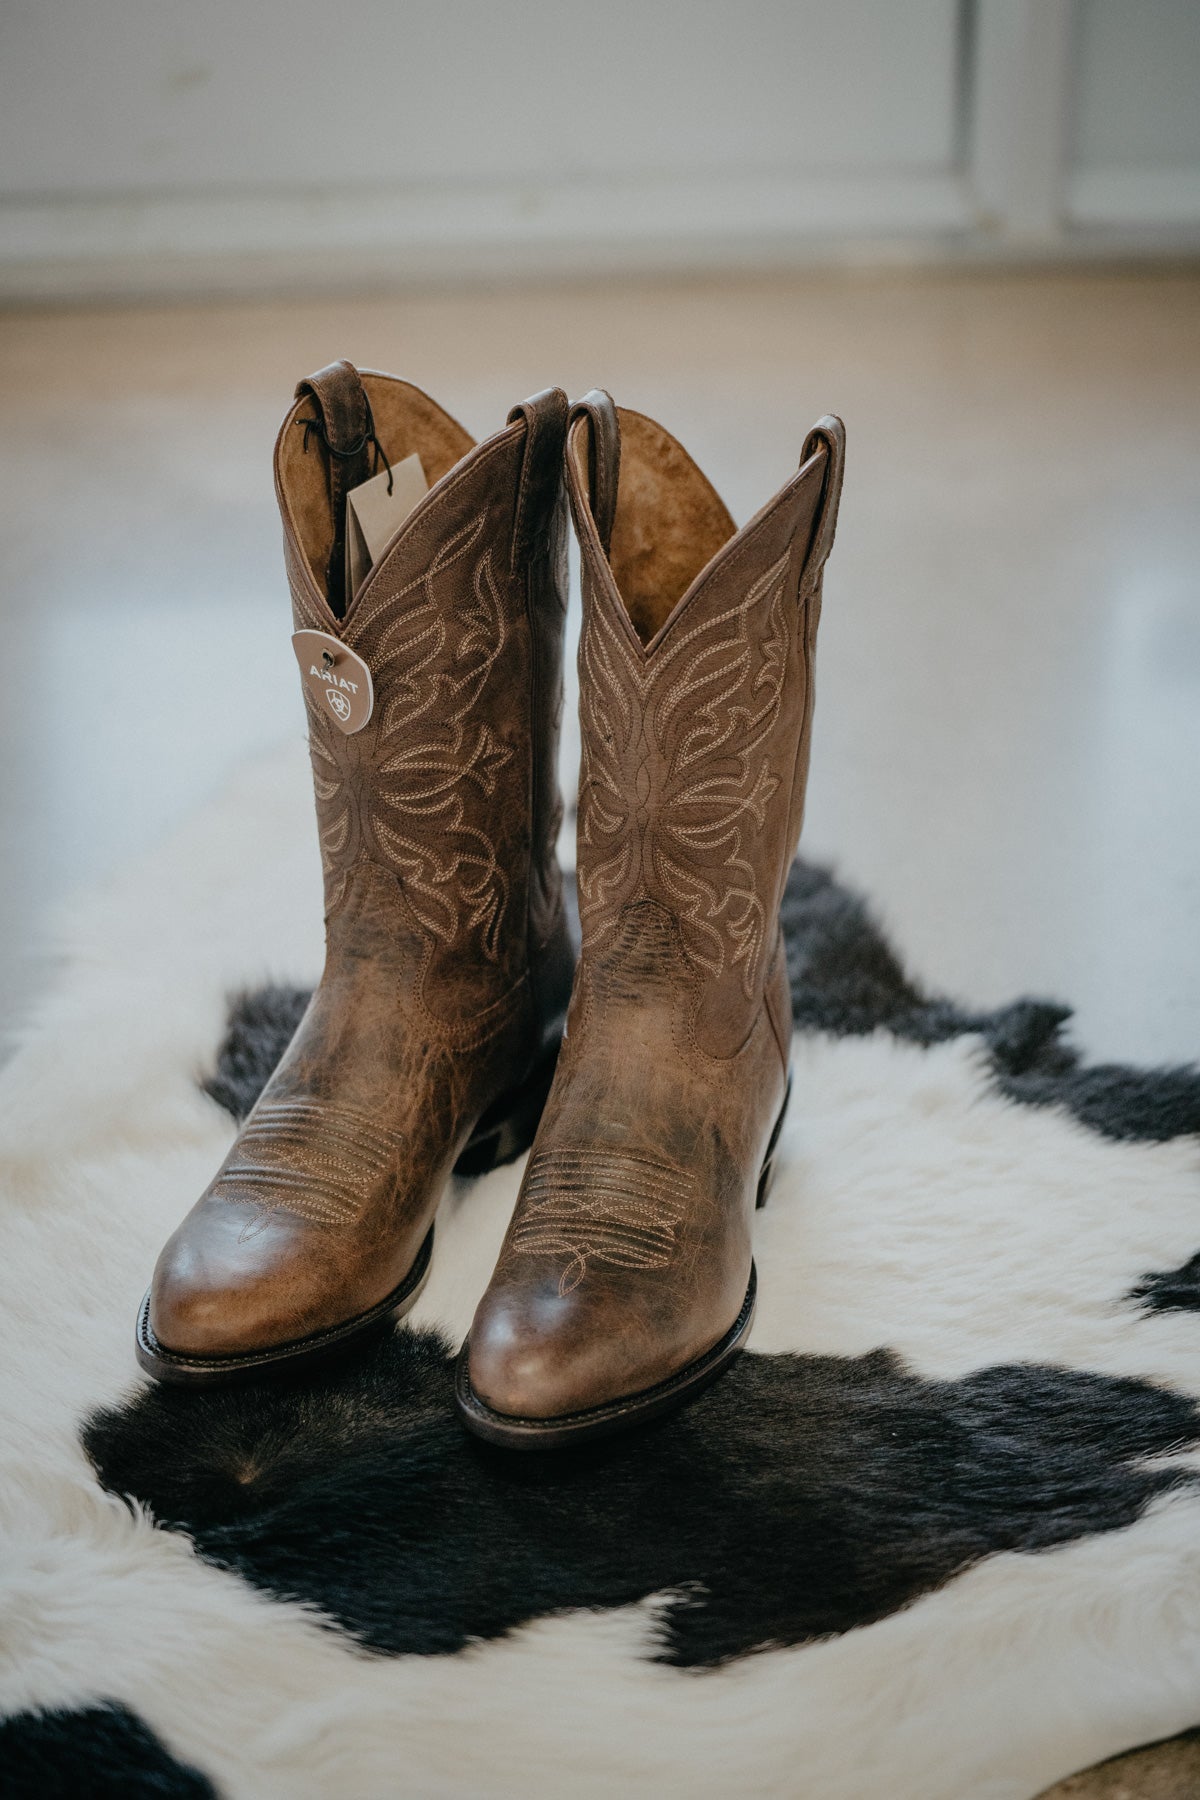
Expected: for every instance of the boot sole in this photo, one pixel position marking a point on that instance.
(513, 1433)
(503, 1133)
(203, 1371)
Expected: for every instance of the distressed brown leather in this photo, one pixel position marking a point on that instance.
(448, 964)
(628, 1256)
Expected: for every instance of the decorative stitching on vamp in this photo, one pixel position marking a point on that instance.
(298, 1156)
(604, 1206)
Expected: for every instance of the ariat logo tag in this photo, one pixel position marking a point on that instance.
(335, 680)
(338, 680)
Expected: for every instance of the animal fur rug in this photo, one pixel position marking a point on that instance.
(937, 1537)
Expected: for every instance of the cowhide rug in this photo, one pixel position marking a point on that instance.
(938, 1537)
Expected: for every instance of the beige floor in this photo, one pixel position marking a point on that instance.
(1008, 733)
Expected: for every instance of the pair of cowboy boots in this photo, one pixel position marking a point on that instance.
(452, 1026)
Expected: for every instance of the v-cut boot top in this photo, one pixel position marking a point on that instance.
(696, 697)
(625, 1279)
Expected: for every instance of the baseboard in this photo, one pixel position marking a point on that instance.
(1167, 197)
(58, 248)
(135, 247)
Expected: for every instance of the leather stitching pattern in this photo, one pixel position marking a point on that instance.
(411, 791)
(677, 773)
(299, 1157)
(600, 1206)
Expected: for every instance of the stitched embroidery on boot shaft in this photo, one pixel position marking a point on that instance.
(603, 1206)
(701, 709)
(423, 812)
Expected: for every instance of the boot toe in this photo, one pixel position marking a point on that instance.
(527, 1366)
(209, 1298)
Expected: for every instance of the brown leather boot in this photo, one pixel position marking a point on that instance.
(625, 1280)
(434, 696)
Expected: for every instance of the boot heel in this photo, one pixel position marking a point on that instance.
(766, 1176)
(507, 1128)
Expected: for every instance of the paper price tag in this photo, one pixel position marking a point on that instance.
(373, 516)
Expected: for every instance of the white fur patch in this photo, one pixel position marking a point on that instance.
(914, 1208)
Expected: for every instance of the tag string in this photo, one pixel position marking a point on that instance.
(368, 438)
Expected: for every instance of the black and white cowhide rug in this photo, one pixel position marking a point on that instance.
(937, 1538)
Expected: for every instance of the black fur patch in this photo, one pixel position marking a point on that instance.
(260, 1028)
(1139, 1105)
(846, 979)
(91, 1753)
(800, 1496)
(1171, 1290)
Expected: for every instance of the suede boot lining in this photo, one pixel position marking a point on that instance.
(670, 522)
(407, 421)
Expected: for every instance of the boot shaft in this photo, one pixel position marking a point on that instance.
(696, 684)
(442, 800)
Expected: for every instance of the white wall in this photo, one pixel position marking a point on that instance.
(157, 144)
(142, 95)
(1135, 139)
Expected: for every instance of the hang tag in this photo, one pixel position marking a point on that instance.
(338, 680)
(373, 516)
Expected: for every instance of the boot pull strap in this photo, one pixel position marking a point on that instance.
(343, 424)
(605, 460)
(829, 434)
(545, 417)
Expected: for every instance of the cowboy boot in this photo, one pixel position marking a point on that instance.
(625, 1280)
(434, 697)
